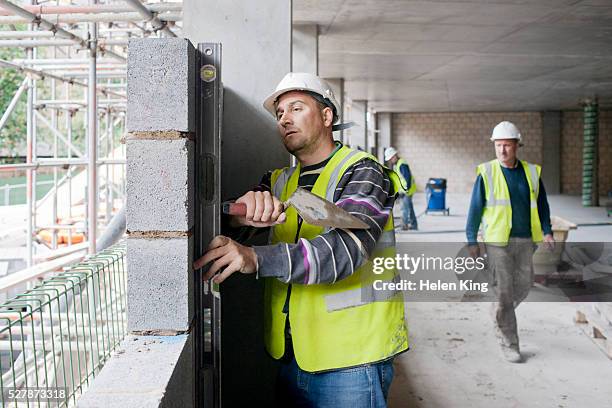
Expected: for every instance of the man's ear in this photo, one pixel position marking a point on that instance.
(328, 116)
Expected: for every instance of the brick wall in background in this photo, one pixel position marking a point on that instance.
(571, 152)
(451, 145)
(605, 152)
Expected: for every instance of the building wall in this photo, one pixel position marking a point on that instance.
(451, 145)
(571, 152)
(605, 152)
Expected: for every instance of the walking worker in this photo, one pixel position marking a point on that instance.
(510, 200)
(335, 339)
(409, 219)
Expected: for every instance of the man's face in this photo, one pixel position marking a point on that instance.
(300, 121)
(393, 160)
(505, 150)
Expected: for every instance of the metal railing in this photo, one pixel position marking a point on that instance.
(55, 337)
(6, 191)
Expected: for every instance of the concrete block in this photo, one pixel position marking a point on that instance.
(160, 185)
(143, 372)
(161, 85)
(160, 284)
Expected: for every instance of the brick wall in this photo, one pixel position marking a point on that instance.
(605, 152)
(571, 152)
(451, 145)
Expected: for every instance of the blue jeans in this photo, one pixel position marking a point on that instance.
(358, 387)
(408, 216)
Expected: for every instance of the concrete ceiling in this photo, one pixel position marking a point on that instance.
(465, 55)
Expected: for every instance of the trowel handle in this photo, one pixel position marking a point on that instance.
(241, 208)
(235, 209)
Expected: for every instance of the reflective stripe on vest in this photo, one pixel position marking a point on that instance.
(340, 324)
(497, 216)
(404, 182)
(279, 180)
(360, 297)
(333, 179)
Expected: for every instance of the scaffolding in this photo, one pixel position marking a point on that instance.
(75, 83)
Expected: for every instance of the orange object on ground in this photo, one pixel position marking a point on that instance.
(62, 236)
(77, 237)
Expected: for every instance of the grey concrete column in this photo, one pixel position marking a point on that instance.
(304, 53)
(383, 123)
(366, 127)
(551, 151)
(383, 136)
(160, 162)
(337, 86)
(305, 48)
(358, 133)
(256, 40)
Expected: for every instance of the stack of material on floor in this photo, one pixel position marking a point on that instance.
(545, 262)
(595, 320)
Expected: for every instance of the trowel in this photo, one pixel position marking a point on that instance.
(313, 209)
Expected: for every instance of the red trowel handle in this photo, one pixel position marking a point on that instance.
(234, 209)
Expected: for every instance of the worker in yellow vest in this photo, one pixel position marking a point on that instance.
(510, 201)
(334, 336)
(400, 166)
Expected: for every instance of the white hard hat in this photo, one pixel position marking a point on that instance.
(389, 153)
(303, 81)
(505, 130)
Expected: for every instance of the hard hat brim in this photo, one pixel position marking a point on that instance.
(508, 138)
(270, 101)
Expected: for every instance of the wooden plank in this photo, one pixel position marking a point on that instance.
(604, 310)
(599, 331)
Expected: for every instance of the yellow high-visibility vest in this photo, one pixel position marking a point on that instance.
(334, 325)
(497, 215)
(403, 180)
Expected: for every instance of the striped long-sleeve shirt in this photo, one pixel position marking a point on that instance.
(364, 191)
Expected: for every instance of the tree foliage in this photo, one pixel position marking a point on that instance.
(13, 135)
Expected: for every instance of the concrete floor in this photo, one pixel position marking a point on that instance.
(435, 227)
(455, 361)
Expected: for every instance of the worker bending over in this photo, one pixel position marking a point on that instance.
(335, 338)
(510, 200)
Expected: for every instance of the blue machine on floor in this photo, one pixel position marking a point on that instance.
(436, 196)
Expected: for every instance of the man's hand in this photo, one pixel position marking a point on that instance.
(263, 210)
(227, 253)
(549, 241)
(474, 250)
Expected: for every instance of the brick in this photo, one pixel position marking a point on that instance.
(160, 184)
(160, 284)
(161, 85)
